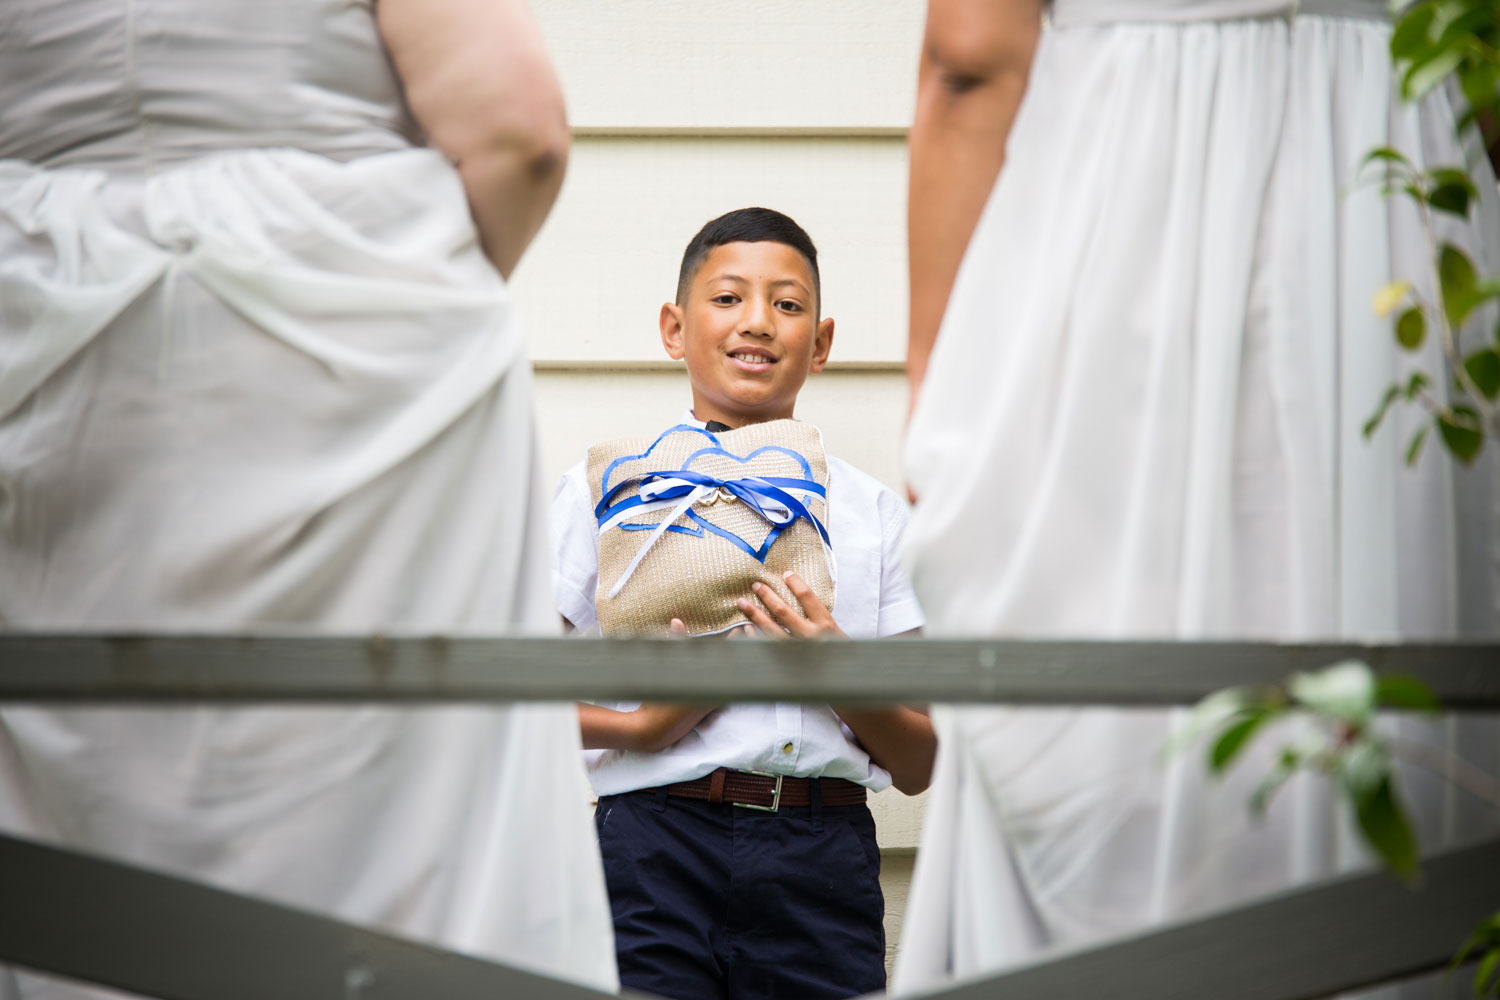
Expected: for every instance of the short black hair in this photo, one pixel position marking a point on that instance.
(747, 225)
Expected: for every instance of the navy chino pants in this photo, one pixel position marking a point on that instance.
(717, 902)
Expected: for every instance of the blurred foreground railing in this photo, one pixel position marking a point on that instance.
(114, 669)
(97, 921)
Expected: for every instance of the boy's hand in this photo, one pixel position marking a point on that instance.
(782, 620)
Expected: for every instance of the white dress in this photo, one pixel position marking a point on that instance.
(256, 374)
(1145, 408)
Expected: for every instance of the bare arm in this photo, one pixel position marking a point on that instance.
(479, 82)
(976, 56)
(900, 739)
(648, 729)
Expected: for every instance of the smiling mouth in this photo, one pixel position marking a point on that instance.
(749, 358)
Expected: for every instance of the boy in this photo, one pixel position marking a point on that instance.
(710, 900)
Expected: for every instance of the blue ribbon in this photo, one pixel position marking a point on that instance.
(757, 492)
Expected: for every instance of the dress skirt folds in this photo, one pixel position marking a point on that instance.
(1145, 409)
(266, 390)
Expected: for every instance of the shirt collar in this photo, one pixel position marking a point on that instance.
(688, 418)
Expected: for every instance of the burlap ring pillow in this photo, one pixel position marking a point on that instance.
(740, 506)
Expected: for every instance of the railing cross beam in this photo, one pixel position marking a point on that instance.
(227, 669)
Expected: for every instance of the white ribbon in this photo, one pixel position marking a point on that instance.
(773, 510)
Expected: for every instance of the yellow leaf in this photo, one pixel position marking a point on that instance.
(1390, 297)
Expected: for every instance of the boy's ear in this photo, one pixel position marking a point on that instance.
(670, 322)
(822, 344)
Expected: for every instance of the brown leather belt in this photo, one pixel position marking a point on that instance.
(765, 791)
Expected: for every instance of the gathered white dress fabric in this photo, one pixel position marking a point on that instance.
(1145, 409)
(257, 375)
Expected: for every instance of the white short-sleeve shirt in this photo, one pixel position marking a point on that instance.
(874, 599)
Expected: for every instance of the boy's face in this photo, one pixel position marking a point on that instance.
(749, 332)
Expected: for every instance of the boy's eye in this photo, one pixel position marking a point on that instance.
(789, 305)
(725, 298)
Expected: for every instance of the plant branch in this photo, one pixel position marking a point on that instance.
(1431, 405)
(1450, 338)
(1457, 770)
(1483, 50)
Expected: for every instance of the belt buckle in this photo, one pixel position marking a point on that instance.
(775, 792)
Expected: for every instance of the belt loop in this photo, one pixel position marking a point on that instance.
(660, 805)
(815, 794)
(716, 786)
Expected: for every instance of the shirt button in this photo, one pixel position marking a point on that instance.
(787, 748)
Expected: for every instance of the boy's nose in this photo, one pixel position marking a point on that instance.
(757, 320)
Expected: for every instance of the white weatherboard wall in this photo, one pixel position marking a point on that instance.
(685, 109)
(591, 286)
(715, 66)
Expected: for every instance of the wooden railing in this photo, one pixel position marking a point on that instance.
(98, 921)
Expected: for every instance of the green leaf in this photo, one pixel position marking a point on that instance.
(1427, 71)
(1479, 83)
(1461, 432)
(1452, 191)
(1397, 167)
(1450, 198)
(1209, 714)
(1386, 154)
(1458, 280)
(1345, 691)
(1401, 691)
(1411, 328)
(1446, 11)
(1483, 368)
(1458, 32)
(1371, 425)
(1411, 34)
(1364, 764)
(1417, 383)
(1456, 176)
(1486, 971)
(1233, 739)
(1385, 826)
(1455, 269)
(1487, 932)
(1414, 449)
(1286, 766)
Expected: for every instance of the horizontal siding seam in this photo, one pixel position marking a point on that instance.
(581, 131)
(561, 366)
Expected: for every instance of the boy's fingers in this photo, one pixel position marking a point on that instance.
(819, 621)
(815, 609)
(676, 628)
(768, 626)
(799, 588)
(788, 617)
(780, 610)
